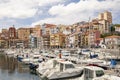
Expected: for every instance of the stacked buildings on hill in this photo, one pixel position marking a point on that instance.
(47, 36)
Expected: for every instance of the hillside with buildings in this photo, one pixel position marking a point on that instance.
(77, 35)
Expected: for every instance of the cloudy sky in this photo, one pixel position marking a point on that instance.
(31, 12)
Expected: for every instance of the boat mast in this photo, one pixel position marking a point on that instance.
(89, 35)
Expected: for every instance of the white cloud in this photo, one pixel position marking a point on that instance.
(17, 9)
(22, 8)
(49, 2)
(74, 12)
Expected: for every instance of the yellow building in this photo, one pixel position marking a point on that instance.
(57, 40)
(84, 39)
(23, 33)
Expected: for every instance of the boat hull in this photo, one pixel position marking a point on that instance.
(64, 75)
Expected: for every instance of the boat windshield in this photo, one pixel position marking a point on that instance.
(99, 73)
(67, 66)
(66, 53)
(35, 57)
(86, 50)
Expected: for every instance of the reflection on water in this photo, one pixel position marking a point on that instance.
(10, 69)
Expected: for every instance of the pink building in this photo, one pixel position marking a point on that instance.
(93, 36)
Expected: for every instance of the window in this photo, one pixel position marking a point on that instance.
(88, 74)
(99, 73)
(35, 57)
(61, 67)
(67, 66)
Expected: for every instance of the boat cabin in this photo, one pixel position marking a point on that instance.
(65, 53)
(91, 72)
(63, 65)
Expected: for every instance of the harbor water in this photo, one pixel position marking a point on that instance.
(11, 69)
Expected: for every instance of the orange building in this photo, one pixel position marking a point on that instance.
(23, 33)
(24, 36)
(37, 31)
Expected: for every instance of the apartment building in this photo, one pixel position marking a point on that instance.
(93, 35)
(24, 36)
(106, 16)
(45, 41)
(105, 19)
(12, 36)
(23, 33)
(57, 40)
(47, 28)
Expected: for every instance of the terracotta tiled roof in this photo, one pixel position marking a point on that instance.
(50, 25)
(113, 36)
(99, 39)
(117, 26)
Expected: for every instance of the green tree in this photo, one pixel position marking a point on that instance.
(113, 29)
(105, 35)
(116, 25)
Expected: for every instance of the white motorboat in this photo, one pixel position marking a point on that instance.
(91, 72)
(84, 51)
(96, 73)
(48, 54)
(65, 53)
(107, 77)
(88, 61)
(33, 58)
(10, 52)
(44, 66)
(62, 69)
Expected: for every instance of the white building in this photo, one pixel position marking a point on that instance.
(117, 28)
(105, 19)
(112, 41)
